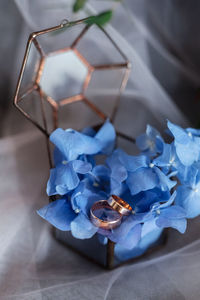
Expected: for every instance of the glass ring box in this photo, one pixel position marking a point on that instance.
(72, 76)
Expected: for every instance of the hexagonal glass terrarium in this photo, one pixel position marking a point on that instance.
(66, 70)
(68, 77)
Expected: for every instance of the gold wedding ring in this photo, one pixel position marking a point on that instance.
(118, 204)
(101, 222)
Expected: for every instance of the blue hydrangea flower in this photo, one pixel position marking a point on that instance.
(85, 195)
(72, 143)
(143, 174)
(188, 194)
(72, 153)
(187, 143)
(168, 215)
(168, 160)
(118, 174)
(59, 213)
(100, 178)
(150, 233)
(160, 215)
(144, 200)
(73, 214)
(144, 181)
(103, 179)
(151, 142)
(163, 215)
(128, 233)
(65, 176)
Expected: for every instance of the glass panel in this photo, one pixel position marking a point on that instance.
(136, 110)
(63, 75)
(30, 70)
(103, 89)
(77, 113)
(60, 38)
(97, 252)
(90, 46)
(32, 105)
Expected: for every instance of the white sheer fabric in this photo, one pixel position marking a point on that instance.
(163, 84)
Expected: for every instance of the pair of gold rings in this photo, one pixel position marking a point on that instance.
(107, 214)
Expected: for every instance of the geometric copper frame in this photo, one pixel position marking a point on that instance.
(55, 105)
(79, 97)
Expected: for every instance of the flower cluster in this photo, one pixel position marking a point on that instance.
(162, 183)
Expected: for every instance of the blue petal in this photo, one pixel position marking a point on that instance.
(116, 187)
(58, 157)
(62, 179)
(164, 159)
(188, 153)
(148, 198)
(148, 227)
(188, 175)
(72, 143)
(142, 180)
(118, 171)
(88, 158)
(100, 177)
(173, 212)
(81, 167)
(198, 174)
(84, 203)
(133, 237)
(152, 132)
(84, 196)
(59, 213)
(187, 146)
(51, 187)
(101, 172)
(142, 142)
(164, 181)
(150, 233)
(151, 142)
(107, 137)
(89, 131)
(82, 228)
(170, 201)
(193, 131)
(188, 199)
(132, 163)
(179, 134)
(121, 234)
(179, 224)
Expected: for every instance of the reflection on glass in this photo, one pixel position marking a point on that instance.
(63, 75)
(30, 70)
